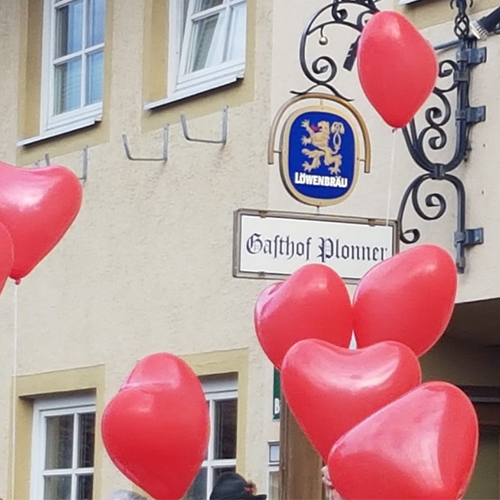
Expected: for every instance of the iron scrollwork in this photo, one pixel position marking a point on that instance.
(433, 137)
(322, 70)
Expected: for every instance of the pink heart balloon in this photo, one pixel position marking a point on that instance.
(331, 389)
(156, 428)
(408, 298)
(312, 303)
(397, 67)
(422, 446)
(37, 206)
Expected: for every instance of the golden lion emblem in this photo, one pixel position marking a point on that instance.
(319, 137)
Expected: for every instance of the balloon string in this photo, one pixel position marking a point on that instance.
(391, 172)
(14, 390)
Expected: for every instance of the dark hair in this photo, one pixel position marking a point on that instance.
(232, 486)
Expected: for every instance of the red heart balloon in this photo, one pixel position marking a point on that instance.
(6, 255)
(37, 206)
(312, 303)
(421, 447)
(156, 428)
(331, 389)
(397, 67)
(408, 298)
(159, 368)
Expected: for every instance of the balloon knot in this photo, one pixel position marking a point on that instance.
(18, 281)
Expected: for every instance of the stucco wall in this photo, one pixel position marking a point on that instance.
(147, 265)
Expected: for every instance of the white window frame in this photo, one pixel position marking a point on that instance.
(69, 121)
(273, 464)
(50, 407)
(217, 390)
(182, 86)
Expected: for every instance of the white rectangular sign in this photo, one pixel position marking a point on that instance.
(275, 244)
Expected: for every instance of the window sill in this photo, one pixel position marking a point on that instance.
(199, 89)
(62, 130)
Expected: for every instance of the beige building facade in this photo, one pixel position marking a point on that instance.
(103, 87)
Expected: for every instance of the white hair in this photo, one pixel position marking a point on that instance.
(125, 495)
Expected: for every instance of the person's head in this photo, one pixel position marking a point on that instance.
(126, 495)
(232, 486)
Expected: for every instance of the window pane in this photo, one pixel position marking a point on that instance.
(274, 453)
(206, 45)
(184, 16)
(198, 490)
(207, 4)
(69, 24)
(274, 485)
(225, 428)
(96, 22)
(235, 48)
(84, 487)
(94, 77)
(86, 440)
(59, 442)
(207, 451)
(217, 472)
(67, 86)
(57, 488)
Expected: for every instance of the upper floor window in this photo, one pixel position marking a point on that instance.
(73, 55)
(208, 44)
(63, 449)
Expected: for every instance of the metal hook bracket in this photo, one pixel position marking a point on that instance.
(163, 158)
(85, 163)
(222, 140)
(46, 159)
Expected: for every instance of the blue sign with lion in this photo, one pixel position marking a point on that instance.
(320, 159)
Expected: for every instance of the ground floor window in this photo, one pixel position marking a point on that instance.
(63, 444)
(274, 471)
(222, 401)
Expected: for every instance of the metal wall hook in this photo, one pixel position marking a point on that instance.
(85, 163)
(46, 158)
(164, 156)
(223, 139)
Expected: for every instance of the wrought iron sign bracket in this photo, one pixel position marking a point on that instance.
(454, 77)
(473, 55)
(432, 135)
(470, 237)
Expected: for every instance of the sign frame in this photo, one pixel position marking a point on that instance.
(280, 133)
(276, 395)
(237, 244)
(286, 156)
